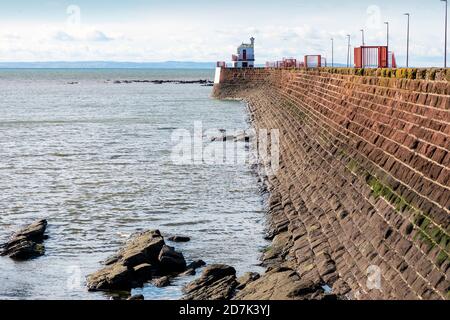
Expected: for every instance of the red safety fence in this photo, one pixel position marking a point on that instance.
(315, 61)
(374, 57)
(285, 63)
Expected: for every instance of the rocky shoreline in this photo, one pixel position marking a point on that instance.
(146, 258)
(281, 280)
(203, 82)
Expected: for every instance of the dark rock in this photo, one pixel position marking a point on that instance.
(144, 271)
(34, 232)
(242, 137)
(222, 138)
(114, 277)
(161, 282)
(132, 266)
(171, 260)
(144, 248)
(179, 239)
(246, 279)
(217, 282)
(138, 297)
(26, 243)
(143, 258)
(278, 284)
(111, 260)
(201, 81)
(188, 272)
(196, 264)
(25, 250)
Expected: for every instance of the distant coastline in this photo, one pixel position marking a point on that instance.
(107, 65)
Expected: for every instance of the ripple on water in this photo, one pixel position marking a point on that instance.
(95, 160)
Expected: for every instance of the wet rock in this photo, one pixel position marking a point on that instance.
(196, 264)
(26, 243)
(24, 250)
(132, 266)
(171, 260)
(274, 285)
(217, 282)
(222, 138)
(143, 248)
(161, 282)
(179, 239)
(188, 272)
(241, 136)
(138, 297)
(273, 255)
(111, 260)
(283, 284)
(144, 271)
(201, 81)
(114, 277)
(246, 279)
(143, 258)
(192, 267)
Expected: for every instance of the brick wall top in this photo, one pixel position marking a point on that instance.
(430, 74)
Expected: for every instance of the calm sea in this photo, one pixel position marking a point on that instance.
(94, 158)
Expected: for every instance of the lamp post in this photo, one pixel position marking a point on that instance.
(387, 43)
(446, 31)
(332, 52)
(362, 33)
(348, 51)
(407, 41)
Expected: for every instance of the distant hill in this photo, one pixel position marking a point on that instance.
(109, 65)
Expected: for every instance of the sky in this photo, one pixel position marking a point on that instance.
(210, 30)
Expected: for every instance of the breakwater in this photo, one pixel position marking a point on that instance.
(361, 202)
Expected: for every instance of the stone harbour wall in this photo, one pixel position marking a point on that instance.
(361, 202)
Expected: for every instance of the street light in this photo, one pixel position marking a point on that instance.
(407, 41)
(348, 51)
(387, 33)
(387, 50)
(362, 32)
(332, 52)
(446, 28)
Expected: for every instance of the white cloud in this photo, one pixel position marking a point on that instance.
(63, 36)
(81, 35)
(211, 38)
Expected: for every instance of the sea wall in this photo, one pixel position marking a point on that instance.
(361, 202)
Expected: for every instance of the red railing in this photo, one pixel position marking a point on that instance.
(374, 57)
(285, 63)
(315, 61)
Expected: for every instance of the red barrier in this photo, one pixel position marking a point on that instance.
(374, 57)
(315, 61)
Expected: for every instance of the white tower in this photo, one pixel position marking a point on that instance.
(245, 57)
